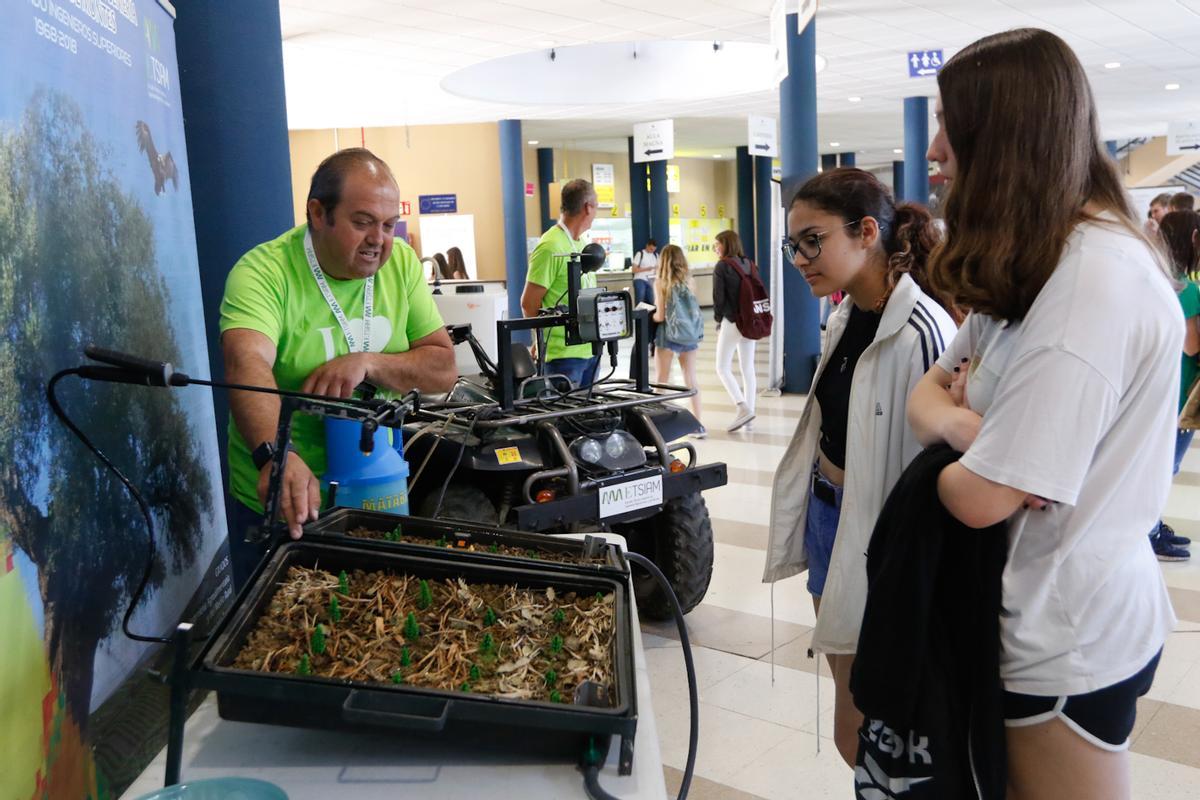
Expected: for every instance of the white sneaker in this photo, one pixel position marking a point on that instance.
(744, 415)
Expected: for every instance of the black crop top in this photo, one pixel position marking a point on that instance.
(833, 389)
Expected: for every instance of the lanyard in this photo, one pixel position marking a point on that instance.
(336, 308)
(570, 238)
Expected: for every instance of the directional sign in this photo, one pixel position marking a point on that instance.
(654, 141)
(437, 203)
(1183, 137)
(762, 138)
(924, 63)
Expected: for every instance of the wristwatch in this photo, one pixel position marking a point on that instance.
(263, 454)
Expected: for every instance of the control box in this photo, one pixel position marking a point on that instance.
(604, 315)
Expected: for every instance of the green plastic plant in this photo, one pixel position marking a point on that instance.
(494, 548)
(424, 595)
(344, 583)
(474, 673)
(466, 686)
(441, 542)
(405, 657)
(551, 678)
(599, 597)
(411, 631)
(304, 667)
(335, 609)
(489, 618)
(486, 645)
(532, 554)
(556, 644)
(318, 639)
(395, 534)
(559, 616)
(397, 677)
(556, 696)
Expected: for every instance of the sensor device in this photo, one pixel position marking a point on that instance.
(604, 316)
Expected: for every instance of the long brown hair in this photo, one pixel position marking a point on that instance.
(1179, 231)
(731, 244)
(672, 268)
(907, 232)
(1020, 117)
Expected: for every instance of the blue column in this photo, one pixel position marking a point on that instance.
(1111, 144)
(639, 201)
(916, 145)
(512, 195)
(660, 204)
(828, 161)
(798, 147)
(762, 215)
(898, 180)
(241, 185)
(846, 160)
(745, 200)
(545, 166)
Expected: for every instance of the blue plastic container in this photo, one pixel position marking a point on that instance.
(219, 789)
(376, 482)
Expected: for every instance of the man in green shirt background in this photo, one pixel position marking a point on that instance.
(321, 309)
(546, 282)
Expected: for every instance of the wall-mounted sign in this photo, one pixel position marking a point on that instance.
(529, 188)
(703, 210)
(805, 13)
(1183, 137)
(616, 212)
(924, 63)
(674, 209)
(779, 62)
(721, 210)
(762, 137)
(654, 141)
(405, 208)
(437, 203)
(602, 181)
(672, 179)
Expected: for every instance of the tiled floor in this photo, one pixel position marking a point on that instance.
(764, 738)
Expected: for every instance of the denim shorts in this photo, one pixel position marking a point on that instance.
(820, 527)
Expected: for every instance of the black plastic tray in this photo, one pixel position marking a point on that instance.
(336, 525)
(520, 726)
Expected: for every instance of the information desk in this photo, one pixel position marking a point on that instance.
(318, 765)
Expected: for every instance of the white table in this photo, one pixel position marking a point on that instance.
(319, 765)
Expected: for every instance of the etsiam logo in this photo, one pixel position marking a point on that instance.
(151, 34)
(156, 71)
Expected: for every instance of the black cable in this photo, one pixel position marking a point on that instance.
(591, 772)
(461, 449)
(137, 496)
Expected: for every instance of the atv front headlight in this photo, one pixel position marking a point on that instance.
(615, 445)
(590, 451)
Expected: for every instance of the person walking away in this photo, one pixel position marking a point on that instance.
(645, 268)
(680, 323)
(845, 233)
(732, 265)
(1068, 419)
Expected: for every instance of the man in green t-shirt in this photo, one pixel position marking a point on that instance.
(321, 309)
(546, 283)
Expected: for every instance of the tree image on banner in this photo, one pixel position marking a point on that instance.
(78, 265)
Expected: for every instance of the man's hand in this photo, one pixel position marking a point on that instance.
(300, 494)
(339, 376)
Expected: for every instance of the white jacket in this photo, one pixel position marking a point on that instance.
(912, 333)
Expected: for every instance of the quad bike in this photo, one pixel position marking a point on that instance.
(516, 447)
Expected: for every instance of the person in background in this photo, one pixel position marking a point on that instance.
(645, 267)
(546, 283)
(845, 233)
(677, 311)
(1158, 206)
(1067, 424)
(441, 267)
(321, 309)
(732, 264)
(1182, 201)
(456, 265)
(1180, 231)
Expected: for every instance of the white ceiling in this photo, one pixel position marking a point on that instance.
(381, 62)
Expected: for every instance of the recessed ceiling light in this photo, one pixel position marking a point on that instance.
(835, 144)
(1113, 65)
(897, 151)
(532, 142)
(716, 155)
(1170, 87)
(854, 99)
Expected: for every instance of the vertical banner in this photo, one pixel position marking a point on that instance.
(97, 244)
(604, 184)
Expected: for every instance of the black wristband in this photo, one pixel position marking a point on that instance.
(262, 455)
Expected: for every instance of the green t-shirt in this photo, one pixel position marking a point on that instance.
(546, 269)
(272, 290)
(1189, 298)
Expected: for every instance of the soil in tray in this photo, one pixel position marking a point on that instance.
(398, 534)
(380, 627)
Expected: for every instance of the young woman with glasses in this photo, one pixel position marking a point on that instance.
(1067, 425)
(845, 233)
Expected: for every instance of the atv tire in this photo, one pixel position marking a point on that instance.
(679, 540)
(462, 502)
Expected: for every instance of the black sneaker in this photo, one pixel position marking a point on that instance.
(1168, 533)
(1166, 551)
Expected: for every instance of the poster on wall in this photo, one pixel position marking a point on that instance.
(604, 183)
(697, 237)
(441, 232)
(97, 245)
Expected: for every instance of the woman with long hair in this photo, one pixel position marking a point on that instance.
(845, 233)
(732, 266)
(455, 265)
(678, 314)
(1067, 422)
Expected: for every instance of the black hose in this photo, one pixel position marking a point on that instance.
(137, 496)
(591, 772)
(461, 449)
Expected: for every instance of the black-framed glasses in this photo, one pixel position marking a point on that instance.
(808, 245)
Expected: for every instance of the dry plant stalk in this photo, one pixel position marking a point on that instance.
(535, 653)
(451, 543)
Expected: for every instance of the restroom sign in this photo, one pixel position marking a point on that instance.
(923, 63)
(654, 141)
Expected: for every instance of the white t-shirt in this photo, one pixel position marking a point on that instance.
(645, 261)
(1079, 406)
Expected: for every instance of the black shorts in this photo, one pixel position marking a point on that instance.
(1103, 717)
